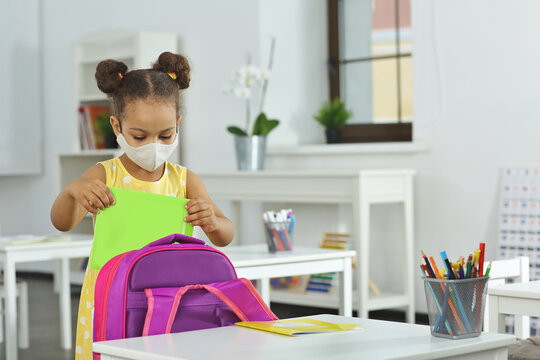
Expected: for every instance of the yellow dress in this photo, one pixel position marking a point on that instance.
(172, 183)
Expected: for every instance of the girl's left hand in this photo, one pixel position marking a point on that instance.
(201, 213)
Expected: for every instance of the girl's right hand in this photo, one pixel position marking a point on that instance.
(92, 194)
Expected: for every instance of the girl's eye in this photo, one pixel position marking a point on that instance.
(139, 137)
(165, 137)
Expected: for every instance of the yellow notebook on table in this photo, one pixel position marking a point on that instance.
(299, 326)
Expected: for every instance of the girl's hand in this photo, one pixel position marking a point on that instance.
(92, 194)
(201, 213)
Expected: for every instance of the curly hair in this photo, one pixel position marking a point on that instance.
(169, 74)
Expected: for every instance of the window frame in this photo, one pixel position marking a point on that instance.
(367, 132)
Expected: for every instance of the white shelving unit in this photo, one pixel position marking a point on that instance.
(137, 50)
(361, 189)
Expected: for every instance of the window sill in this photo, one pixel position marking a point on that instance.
(349, 149)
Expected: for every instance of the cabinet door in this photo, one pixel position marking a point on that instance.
(20, 88)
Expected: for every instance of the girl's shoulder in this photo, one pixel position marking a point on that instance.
(176, 173)
(111, 162)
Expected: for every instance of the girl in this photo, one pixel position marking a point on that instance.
(145, 121)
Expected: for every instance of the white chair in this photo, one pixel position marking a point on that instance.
(22, 295)
(516, 269)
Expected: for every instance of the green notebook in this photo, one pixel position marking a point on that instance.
(135, 220)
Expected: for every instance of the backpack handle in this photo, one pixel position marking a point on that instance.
(176, 238)
(238, 295)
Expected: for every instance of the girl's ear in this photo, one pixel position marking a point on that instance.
(178, 120)
(115, 123)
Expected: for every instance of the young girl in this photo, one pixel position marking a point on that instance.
(145, 121)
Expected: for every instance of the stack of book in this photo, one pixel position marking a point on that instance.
(91, 133)
(325, 282)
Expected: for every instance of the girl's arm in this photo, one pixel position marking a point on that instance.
(204, 213)
(85, 194)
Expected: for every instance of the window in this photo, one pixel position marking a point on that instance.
(370, 67)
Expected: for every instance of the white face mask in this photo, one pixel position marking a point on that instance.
(149, 156)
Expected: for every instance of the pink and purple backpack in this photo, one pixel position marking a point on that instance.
(174, 284)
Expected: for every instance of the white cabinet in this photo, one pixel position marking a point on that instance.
(361, 189)
(21, 90)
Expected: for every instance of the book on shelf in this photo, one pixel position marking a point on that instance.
(332, 240)
(324, 283)
(92, 136)
(321, 283)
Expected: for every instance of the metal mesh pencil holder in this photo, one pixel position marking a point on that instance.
(456, 307)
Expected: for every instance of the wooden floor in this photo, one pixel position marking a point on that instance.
(45, 329)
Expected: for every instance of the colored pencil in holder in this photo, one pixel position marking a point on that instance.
(452, 308)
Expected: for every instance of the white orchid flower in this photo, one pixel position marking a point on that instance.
(264, 74)
(242, 92)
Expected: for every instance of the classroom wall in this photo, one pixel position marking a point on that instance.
(476, 85)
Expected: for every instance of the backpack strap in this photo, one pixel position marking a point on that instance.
(239, 295)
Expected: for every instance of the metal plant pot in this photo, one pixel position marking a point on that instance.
(250, 152)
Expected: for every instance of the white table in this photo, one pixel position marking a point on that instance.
(62, 251)
(254, 262)
(375, 339)
(517, 299)
(361, 189)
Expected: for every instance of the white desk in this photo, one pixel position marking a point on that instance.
(361, 189)
(517, 299)
(254, 262)
(375, 339)
(62, 251)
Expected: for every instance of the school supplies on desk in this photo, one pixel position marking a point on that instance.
(456, 295)
(279, 228)
(136, 219)
(299, 326)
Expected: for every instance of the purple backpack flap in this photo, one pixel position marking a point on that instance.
(160, 269)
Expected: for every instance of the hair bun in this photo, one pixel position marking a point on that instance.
(177, 64)
(109, 75)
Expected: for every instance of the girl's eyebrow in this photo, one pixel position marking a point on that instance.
(167, 129)
(139, 129)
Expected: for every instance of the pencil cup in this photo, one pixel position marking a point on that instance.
(456, 307)
(279, 236)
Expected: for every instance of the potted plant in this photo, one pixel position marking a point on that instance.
(333, 115)
(250, 141)
(104, 124)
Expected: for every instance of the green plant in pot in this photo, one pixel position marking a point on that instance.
(250, 141)
(104, 125)
(332, 116)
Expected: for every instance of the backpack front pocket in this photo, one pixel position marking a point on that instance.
(203, 306)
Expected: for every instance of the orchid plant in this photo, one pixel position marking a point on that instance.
(243, 84)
